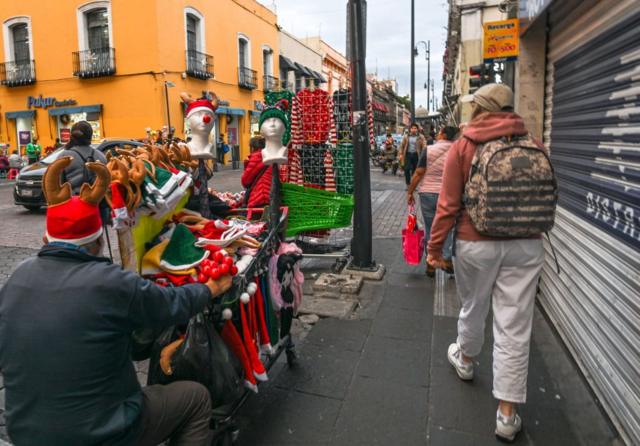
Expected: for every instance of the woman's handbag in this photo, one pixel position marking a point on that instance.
(412, 239)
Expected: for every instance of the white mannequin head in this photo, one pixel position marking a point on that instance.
(201, 119)
(273, 126)
(274, 152)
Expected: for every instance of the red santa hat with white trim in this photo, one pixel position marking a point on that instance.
(74, 219)
(196, 105)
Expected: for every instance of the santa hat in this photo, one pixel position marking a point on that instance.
(200, 105)
(74, 219)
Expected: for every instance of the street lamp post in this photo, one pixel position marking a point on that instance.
(427, 48)
(167, 85)
(413, 61)
(361, 243)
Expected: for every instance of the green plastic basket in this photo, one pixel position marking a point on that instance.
(313, 209)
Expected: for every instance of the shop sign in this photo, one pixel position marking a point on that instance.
(65, 135)
(501, 41)
(24, 137)
(40, 102)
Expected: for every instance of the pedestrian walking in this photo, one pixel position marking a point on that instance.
(410, 149)
(80, 150)
(67, 317)
(33, 151)
(495, 272)
(221, 149)
(428, 181)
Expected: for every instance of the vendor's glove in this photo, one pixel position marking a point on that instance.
(220, 286)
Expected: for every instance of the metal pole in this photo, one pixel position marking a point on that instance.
(166, 98)
(361, 244)
(428, 74)
(433, 94)
(413, 61)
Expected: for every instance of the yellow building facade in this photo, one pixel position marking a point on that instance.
(121, 65)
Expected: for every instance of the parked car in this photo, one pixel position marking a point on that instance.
(28, 188)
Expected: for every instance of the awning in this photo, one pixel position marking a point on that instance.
(319, 76)
(303, 70)
(70, 110)
(379, 106)
(20, 114)
(230, 111)
(286, 64)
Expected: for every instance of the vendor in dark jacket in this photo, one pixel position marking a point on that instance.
(66, 319)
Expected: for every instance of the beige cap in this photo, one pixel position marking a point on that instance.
(491, 97)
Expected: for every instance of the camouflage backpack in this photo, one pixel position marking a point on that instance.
(512, 189)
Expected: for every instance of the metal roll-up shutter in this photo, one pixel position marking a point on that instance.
(592, 128)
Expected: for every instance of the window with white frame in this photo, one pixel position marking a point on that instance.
(244, 52)
(267, 61)
(94, 26)
(194, 30)
(17, 40)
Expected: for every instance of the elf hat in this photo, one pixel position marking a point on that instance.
(74, 219)
(181, 252)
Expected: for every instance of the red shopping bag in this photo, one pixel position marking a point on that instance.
(412, 239)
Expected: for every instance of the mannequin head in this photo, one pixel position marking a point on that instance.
(201, 119)
(273, 126)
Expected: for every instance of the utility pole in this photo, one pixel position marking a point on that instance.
(413, 61)
(428, 71)
(361, 243)
(433, 95)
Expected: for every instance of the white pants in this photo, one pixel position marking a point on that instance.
(508, 271)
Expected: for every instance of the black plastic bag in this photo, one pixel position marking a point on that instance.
(202, 357)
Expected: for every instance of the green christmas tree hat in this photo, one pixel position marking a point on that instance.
(181, 253)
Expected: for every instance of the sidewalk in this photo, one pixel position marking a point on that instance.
(382, 377)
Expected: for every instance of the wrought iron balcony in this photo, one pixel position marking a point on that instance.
(17, 73)
(199, 65)
(247, 78)
(94, 63)
(270, 83)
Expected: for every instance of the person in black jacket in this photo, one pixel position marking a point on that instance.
(66, 323)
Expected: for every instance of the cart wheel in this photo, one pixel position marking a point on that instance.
(292, 358)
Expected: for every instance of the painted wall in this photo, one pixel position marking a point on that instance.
(149, 38)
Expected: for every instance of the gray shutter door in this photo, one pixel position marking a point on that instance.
(593, 131)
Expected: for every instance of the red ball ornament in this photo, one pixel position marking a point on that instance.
(202, 278)
(215, 273)
(224, 269)
(234, 270)
(219, 257)
(228, 261)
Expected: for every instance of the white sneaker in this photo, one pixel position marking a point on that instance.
(463, 369)
(507, 427)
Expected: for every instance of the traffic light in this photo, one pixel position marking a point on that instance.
(480, 75)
